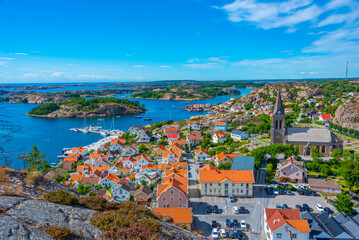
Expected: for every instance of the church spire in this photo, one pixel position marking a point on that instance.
(278, 108)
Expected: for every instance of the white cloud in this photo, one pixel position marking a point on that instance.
(32, 75)
(206, 63)
(94, 76)
(202, 65)
(23, 54)
(3, 63)
(165, 66)
(6, 58)
(138, 66)
(56, 74)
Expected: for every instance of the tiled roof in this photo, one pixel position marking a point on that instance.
(180, 183)
(90, 180)
(172, 135)
(276, 218)
(80, 149)
(220, 124)
(220, 134)
(327, 117)
(178, 214)
(323, 183)
(143, 189)
(236, 176)
(77, 177)
(200, 150)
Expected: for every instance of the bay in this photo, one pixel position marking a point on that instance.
(52, 135)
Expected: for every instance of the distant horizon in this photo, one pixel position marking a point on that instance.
(165, 80)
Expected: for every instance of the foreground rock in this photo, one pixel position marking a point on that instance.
(347, 114)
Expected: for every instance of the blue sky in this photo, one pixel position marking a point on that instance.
(138, 40)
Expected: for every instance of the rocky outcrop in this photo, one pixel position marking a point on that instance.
(109, 109)
(27, 218)
(232, 91)
(173, 96)
(347, 114)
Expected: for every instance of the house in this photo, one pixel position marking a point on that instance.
(109, 181)
(180, 216)
(315, 117)
(180, 142)
(294, 170)
(195, 125)
(129, 151)
(134, 129)
(175, 172)
(149, 179)
(171, 156)
(310, 113)
(201, 155)
(116, 145)
(158, 151)
(141, 160)
(129, 162)
(80, 150)
(325, 118)
(83, 169)
(220, 126)
(224, 158)
(143, 136)
(194, 138)
(323, 226)
(285, 224)
(353, 94)
(215, 182)
(173, 192)
(121, 192)
(239, 135)
(90, 181)
(171, 130)
(324, 185)
(104, 148)
(243, 163)
(172, 136)
(219, 137)
(143, 194)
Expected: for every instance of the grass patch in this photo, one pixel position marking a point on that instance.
(61, 197)
(312, 174)
(58, 233)
(32, 177)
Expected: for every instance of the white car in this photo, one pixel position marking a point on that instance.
(235, 210)
(223, 233)
(275, 191)
(320, 207)
(215, 233)
(243, 224)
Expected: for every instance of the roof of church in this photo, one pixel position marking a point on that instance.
(320, 135)
(278, 104)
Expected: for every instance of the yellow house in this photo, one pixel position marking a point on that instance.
(215, 182)
(158, 151)
(142, 194)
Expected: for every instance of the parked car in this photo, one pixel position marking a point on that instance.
(328, 210)
(223, 233)
(231, 199)
(299, 207)
(275, 191)
(288, 192)
(214, 224)
(235, 210)
(231, 234)
(215, 233)
(243, 224)
(239, 234)
(228, 222)
(281, 192)
(269, 191)
(278, 206)
(314, 193)
(320, 207)
(306, 193)
(215, 209)
(300, 192)
(306, 207)
(285, 206)
(242, 210)
(235, 223)
(208, 209)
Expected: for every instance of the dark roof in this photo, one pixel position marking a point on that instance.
(278, 104)
(123, 186)
(237, 132)
(311, 135)
(348, 223)
(356, 218)
(243, 163)
(330, 225)
(315, 227)
(144, 189)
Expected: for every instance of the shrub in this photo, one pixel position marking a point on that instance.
(61, 197)
(96, 203)
(3, 175)
(58, 233)
(32, 177)
(200, 232)
(2, 210)
(129, 221)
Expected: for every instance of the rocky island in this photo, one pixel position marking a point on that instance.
(95, 107)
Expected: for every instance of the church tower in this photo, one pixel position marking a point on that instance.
(278, 122)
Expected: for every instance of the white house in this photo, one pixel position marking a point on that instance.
(142, 160)
(219, 137)
(129, 151)
(144, 136)
(285, 224)
(195, 125)
(201, 155)
(171, 156)
(121, 192)
(239, 135)
(109, 181)
(80, 150)
(129, 162)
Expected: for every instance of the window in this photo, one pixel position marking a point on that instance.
(323, 149)
(279, 235)
(214, 190)
(237, 190)
(294, 235)
(210, 184)
(180, 205)
(241, 184)
(138, 198)
(232, 190)
(241, 191)
(232, 184)
(205, 185)
(284, 173)
(172, 199)
(171, 191)
(179, 199)
(247, 185)
(164, 198)
(308, 151)
(210, 190)
(219, 184)
(219, 190)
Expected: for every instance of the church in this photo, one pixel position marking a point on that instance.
(321, 138)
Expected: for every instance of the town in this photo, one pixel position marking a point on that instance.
(286, 175)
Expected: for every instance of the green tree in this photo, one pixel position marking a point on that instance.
(143, 148)
(83, 189)
(350, 172)
(344, 203)
(35, 160)
(143, 183)
(336, 153)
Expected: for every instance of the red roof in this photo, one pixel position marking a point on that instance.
(172, 135)
(327, 117)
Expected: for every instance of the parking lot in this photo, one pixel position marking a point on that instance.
(203, 220)
(295, 198)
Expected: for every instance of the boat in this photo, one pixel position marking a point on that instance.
(118, 116)
(147, 119)
(138, 117)
(101, 119)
